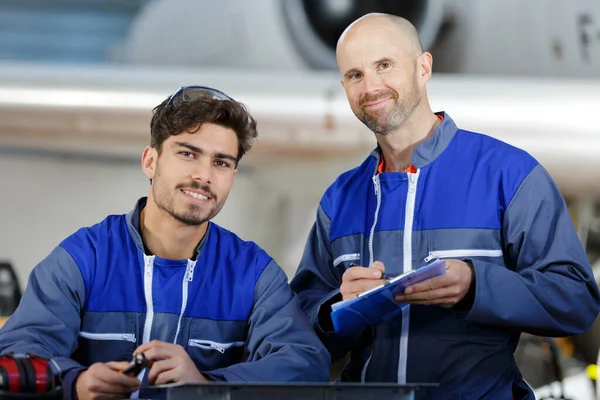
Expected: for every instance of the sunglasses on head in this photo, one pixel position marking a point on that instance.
(190, 93)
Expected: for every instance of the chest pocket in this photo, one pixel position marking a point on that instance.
(350, 257)
(107, 336)
(464, 253)
(465, 243)
(216, 344)
(104, 347)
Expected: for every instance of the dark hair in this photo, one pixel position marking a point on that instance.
(169, 119)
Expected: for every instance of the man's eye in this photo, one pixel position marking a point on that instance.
(186, 154)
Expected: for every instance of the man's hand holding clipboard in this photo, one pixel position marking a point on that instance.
(369, 297)
(445, 290)
(357, 279)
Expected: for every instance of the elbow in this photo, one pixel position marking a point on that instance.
(580, 321)
(325, 367)
(580, 312)
(317, 366)
(320, 366)
(588, 316)
(587, 322)
(319, 372)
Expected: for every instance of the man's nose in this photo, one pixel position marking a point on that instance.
(202, 171)
(372, 84)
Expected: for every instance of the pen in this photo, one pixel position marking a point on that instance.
(387, 277)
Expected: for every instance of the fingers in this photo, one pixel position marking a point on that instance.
(168, 376)
(118, 366)
(362, 285)
(174, 370)
(143, 348)
(359, 279)
(379, 266)
(160, 367)
(356, 273)
(445, 290)
(156, 350)
(435, 296)
(441, 281)
(104, 388)
(351, 289)
(103, 381)
(111, 376)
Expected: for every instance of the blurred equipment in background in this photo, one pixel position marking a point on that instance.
(585, 213)
(28, 376)
(278, 35)
(263, 34)
(301, 35)
(71, 31)
(10, 291)
(540, 361)
(568, 366)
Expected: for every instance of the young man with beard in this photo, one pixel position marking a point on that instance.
(164, 281)
(431, 190)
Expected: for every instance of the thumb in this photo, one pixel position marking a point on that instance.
(118, 365)
(378, 265)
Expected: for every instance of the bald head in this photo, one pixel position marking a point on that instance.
(384, 71)
(398, 29)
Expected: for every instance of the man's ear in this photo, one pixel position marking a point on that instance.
(424, 67)
(149, 159)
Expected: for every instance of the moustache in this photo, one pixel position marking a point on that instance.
(367, 98)
(197, 186)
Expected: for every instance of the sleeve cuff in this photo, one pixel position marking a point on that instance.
(323, 323)
(213, 378)
(223, 375)
(69, 383)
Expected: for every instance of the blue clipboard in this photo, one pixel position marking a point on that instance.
(374, 304)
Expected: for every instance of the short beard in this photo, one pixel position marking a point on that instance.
(397, 116)
(189, 219)
(166, 202)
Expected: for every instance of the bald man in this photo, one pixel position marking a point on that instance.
(433, 191)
